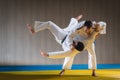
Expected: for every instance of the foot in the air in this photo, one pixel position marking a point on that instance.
(30, 28)
(44, 54)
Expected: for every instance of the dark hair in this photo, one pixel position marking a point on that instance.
(79, 46)
(88, 23)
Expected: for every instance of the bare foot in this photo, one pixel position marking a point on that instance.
(93, 73)
(30, 28)
(44, 54)
(79, 17)
(62, 72)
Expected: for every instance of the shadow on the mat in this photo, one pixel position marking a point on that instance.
(8, 76)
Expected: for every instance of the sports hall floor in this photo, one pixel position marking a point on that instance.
(102, 74)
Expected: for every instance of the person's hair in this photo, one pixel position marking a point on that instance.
(79, 46)
(88, 23)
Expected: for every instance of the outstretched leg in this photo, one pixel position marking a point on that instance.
(57, 54)
(58, 33)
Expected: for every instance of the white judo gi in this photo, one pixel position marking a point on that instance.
(61, 34)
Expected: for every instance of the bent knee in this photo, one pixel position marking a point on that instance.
(50, 22)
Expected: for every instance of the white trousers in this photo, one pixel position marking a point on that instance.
(92, 63)
(58, 33)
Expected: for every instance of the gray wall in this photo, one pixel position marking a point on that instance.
(19, 47)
